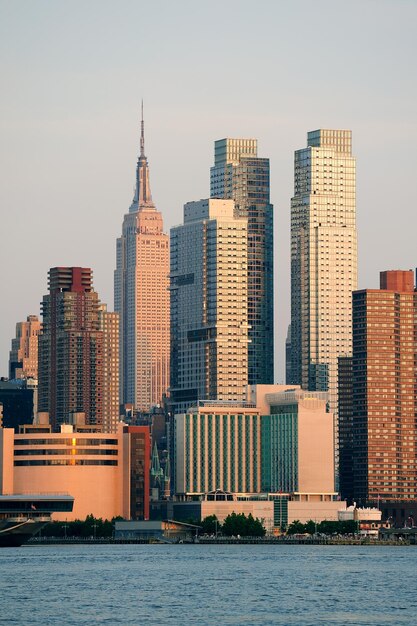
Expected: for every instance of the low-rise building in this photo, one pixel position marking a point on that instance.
(368, 519)
(106, 473)
(281, 440)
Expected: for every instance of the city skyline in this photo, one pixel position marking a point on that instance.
(79, 134)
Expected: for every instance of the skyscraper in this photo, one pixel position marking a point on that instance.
(71, 348)
(384, 390)
(23, 360)
(345, 427)
(109, 326)
(323, 259)
(141, 296)
(238, 173)
(209, 321)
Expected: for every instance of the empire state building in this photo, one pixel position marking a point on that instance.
(141, 296)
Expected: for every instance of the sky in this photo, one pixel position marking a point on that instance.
(72, 78)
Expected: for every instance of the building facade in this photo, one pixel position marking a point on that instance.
(345, 427)
(217, 448)
(297, 447)
(239, 174)
(23, 360)
(323, 259)
(109, 326)
(106, 473)
(141, 297)
(384, 390)
(209, 319)
(71, 348)
(280, 442)
(18, 401)
(137, 464)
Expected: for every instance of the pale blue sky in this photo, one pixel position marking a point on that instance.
(72, 77)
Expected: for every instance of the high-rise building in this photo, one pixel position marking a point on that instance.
(141, 297)
(209, 320)
(345, 427)
(71, 348)
(137, 460)
(323, 259)
(23, 360)
(109, 326)
(384, 390)
(288, 361)
(238, 173)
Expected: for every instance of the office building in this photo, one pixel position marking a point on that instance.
(209, 320)
(345, 426)
(106, 473)
(71, 348)
(141, 297)
(18, 399)
(297, 449)
(288, 357)
(323, 259)
(23, 360)
(239, 174)
(280, 441)
(218, 447)
(384, 391)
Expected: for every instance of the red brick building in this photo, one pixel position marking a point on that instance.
(71, 348)
(384, 390)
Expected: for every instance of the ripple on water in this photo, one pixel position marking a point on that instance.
(242, 585)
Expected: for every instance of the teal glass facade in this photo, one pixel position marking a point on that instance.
(279, 445)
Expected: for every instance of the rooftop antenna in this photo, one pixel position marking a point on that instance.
(142, 134)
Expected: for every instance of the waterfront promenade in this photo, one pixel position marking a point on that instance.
(278, 541)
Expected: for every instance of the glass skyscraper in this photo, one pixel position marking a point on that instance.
(239, 174)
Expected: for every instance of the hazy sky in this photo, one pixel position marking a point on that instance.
(72, 77)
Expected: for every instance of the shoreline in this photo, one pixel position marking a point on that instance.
(49, 541)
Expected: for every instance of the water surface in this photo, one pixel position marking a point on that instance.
(208, 585)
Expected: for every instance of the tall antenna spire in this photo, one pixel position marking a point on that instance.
(143, 197)
(142, 134)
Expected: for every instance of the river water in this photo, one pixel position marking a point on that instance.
(208, 585)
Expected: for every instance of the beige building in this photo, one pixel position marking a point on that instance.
(323, 259)
(209, 305)
(106, 473)
(281, 441)
(218, 447)
(23, 360)
(275, 511)
(298, 443)
(141, 297)
(271, 514)
(239, 174)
